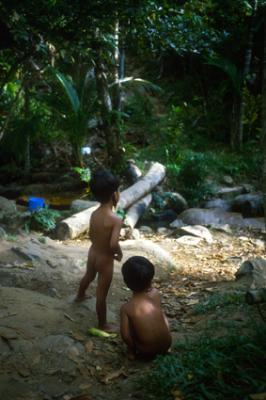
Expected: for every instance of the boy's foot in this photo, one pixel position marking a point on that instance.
(79, 299)
(109, 328)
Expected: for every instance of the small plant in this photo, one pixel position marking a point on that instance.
(43, 219)
(84, 173)
(192, 177)
(121, 213)
(217, 300)
(11, 238)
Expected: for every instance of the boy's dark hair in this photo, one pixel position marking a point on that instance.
(138, 272)
(103, 184)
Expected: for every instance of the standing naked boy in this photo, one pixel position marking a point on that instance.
(104, 232)
(144, 327)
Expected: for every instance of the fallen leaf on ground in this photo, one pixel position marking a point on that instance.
(81, 397)
(89, 346)
(78, 336)
(113, 375)
(69, 317)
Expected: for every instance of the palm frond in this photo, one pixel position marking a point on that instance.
(69, 90)
(229, 68)
(130, 80)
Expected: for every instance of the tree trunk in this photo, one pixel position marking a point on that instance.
(263, 116)
(27, 163)
(77, 224)
(106, 106)
(143, 186)
(248, 55)
(108, 116)
(137, 210)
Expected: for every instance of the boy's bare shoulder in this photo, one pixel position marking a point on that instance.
(117, 220)
(125, 308)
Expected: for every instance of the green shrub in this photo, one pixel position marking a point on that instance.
(211, 368)
(216, 300)
(192, 177)
(43, 219)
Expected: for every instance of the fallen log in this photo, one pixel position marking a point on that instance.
(72, 227)
(78, 223)
(143, 186)
(137, 210)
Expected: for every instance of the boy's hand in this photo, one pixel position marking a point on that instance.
(118, 256)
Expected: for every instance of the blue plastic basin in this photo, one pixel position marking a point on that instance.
(36, 203)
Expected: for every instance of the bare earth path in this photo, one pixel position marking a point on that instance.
(45, 351)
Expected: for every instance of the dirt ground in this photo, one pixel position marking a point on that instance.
(45, 350)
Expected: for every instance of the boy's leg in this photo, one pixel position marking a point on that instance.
(86, 280)
(104, 282)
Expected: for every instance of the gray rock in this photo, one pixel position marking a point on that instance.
(255, 223)
(247, 188)
(197, 231)
(222, 228)
(60, 344)
(7, 208)
(216, 216)
(249, 205)
(29, 252)
(177, 223)
(219, 203)
(145, 229)
(7, 205)
(176, 201)
(189, 240)
(228, 180)
(163, 231)
(228, 193)
(135, 234)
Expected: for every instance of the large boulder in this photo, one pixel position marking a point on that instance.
(197, 231)
(7, 207)
(216, 216)
(229, 193)
(219, 203)
(176, 201)
(249, 204)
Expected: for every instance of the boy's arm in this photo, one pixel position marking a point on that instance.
(124, 328)
(114, 242)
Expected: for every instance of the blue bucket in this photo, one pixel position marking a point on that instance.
(35, 203)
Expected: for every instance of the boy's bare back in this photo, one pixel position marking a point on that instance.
(104, 231)
(147, 323)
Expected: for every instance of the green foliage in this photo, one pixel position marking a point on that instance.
(43, 219)
(218, 300)
(229, 69)
(192, 177)
(84, 173)
(75, 106)
(121, 213)
(229, 367)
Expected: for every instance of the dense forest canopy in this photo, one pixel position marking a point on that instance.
(170, 95)
(183, 74)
